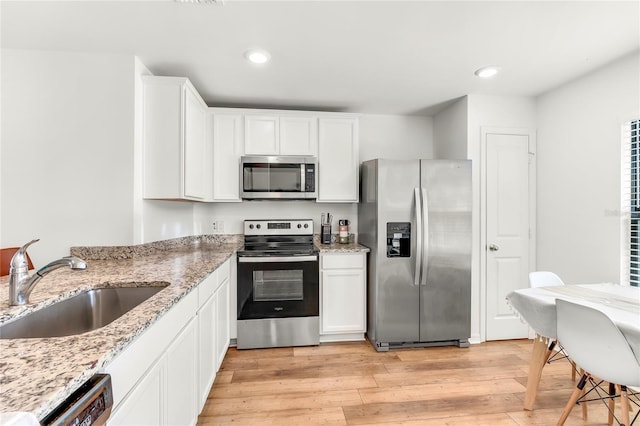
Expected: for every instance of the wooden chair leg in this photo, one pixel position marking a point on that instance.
(612, 402)
(624, 402)
(572, 400)
(573, 371)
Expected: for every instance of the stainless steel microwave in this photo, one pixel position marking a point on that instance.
(272, 178)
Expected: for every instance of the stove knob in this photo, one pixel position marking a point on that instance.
(300, 226)
(258, 226)
(251, 226)
(306, 225)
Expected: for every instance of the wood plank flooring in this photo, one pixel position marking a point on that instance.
(352, 384)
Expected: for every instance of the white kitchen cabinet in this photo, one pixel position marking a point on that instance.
(222, 313)
(143, 406)
(206, 337)
(261, 135)
(338, 162)
(280, 135)
(342, 296)
(226, 135)
(182, 380)
(168, 371)
(299, 135)
(176, 160)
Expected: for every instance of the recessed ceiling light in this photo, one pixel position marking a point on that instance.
(257, 56)
(487, 72)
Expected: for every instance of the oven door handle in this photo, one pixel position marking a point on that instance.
(276, 259)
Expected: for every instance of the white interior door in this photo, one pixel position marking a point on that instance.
(507, 230)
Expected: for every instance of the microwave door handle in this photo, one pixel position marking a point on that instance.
(303, 177)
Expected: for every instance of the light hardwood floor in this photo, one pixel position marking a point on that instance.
(352, 384)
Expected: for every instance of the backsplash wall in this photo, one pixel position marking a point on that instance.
(233, 214)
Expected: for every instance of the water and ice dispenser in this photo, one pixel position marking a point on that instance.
(398, 239)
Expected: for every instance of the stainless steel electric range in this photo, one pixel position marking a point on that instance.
(278, 285)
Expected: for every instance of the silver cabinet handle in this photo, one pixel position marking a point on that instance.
(493, 247)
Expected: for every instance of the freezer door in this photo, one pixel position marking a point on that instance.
(397, 293)
(445, 290)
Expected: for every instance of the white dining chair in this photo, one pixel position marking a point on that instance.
(597, 345)
(544, 279)
(549, 279)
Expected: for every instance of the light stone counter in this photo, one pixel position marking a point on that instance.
(36, 375)
(336, 247)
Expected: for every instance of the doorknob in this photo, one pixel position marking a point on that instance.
(493, 247)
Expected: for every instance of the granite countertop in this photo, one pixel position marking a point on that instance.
(336, 247)
(37, 374)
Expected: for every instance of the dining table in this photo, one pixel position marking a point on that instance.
(537, 307)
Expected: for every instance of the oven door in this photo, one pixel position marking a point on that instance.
(278, 287)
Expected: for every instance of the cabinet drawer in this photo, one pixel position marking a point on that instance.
(343, 261)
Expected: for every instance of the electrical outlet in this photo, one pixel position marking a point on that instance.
(215, 226)
(220, 226)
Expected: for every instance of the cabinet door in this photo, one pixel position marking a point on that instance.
(195, 158)
(143, 406)
(261, 135)
(343, 301)
(207, 360)
(222, 322)
(227, 150)
(162, 129)
(181, 399)
(298, 136)
(338, 172)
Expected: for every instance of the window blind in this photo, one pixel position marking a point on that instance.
(631, 184)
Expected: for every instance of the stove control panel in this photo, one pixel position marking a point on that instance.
(279, 227)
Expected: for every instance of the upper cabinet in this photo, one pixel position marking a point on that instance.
(279, 134)
(338, 160)
(226, 133)
(176, 150)
(192, 152)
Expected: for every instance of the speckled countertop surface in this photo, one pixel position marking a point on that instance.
(335, 247)
(38, 374)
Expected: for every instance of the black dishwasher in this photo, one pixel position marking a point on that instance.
(89, 405)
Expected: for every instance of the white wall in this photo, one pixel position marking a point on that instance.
(395, 137)
(579, 171)
(66, 152)
(450, 131)
(386, 136)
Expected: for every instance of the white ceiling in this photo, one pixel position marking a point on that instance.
(387, 57)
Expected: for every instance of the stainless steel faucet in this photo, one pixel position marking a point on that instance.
(21, 284)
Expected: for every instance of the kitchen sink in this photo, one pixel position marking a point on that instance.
(83, 312)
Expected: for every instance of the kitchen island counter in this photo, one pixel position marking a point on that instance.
(37, 374)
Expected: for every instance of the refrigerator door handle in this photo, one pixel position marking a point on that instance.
(418, 233)
(425, 237)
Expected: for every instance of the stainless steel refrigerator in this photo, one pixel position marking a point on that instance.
(415, 216)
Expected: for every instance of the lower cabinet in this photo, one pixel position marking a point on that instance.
(164, 377)
(182, 381)
(222, 322)
(144, 405)
(343, 314)
(206, 349)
